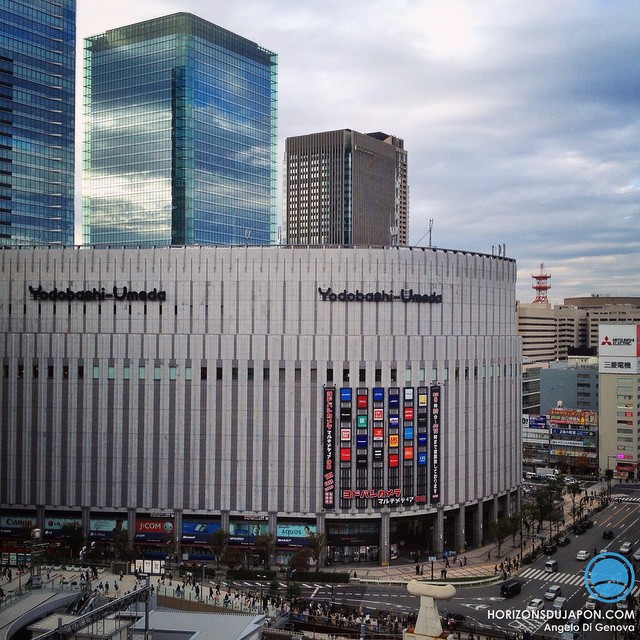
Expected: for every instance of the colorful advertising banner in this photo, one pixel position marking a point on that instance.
(53, 526)
(198, 531)
(434, 468)
(246, 531)
(328, 474)
(294, 534)
(153, 530)
(106, 528)
(18, 526)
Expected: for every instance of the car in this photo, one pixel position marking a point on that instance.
(578, 528)
(550, 548)
(535, 605)
(457, 617)
(608, 534)
(583, 554)
(625, 547)
(636, 555)
(563, 541)
(591, 604)
(587, 523)
(553, 592)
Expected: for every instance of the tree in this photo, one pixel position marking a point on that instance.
(232, 558)
(317, 545)
(74, 538)
(515, 523)
(499, 530)
(299, 561)
(218, 542)
(573, 490)
(263, 546)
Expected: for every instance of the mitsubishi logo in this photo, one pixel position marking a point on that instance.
(606, 341)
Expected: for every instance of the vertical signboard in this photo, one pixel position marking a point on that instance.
(434, 462)
(329, 482)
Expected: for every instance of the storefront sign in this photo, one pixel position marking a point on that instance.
(434, 468)
(328, 471)
(97, 295)
(405, 295)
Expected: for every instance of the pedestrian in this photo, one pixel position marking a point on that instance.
(417, 569)
(465, 561)
(488, 555)
(421, 569)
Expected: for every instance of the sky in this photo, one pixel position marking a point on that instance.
(521, 119)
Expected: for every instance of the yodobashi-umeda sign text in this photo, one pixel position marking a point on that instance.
(97, 295)
(405, 295)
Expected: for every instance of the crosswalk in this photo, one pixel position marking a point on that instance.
(560, 578)
(556, 578)
(248, 584)
(623, 498)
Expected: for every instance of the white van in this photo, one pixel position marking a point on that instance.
(551, 566)
(530, 475)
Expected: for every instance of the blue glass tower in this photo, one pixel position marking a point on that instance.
(181, 137)
(37, 87)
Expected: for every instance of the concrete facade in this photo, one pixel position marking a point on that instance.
(190, 384)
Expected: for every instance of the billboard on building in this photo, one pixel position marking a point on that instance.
(619, 340)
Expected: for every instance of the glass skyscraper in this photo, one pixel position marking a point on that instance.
(181, 138)
(37, 87)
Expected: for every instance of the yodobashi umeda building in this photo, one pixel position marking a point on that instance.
(369, 394)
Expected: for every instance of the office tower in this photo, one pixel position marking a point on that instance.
(37, 87)
(619, 371)
(181, 141)
(346, 188)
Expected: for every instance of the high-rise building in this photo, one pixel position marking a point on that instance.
(181, 137)
(37, 106)
(346, 188)
(619, 412)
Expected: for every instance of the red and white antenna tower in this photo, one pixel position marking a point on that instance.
(541, 286)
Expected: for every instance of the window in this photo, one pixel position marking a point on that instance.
(234, 373)
(126, 373)
(157, 373)
(140, 373)
(65, 372)
(394, 375)
(265, 373)
(96, 373)
(362, 375)
(329, 375)
(111, 373)
(378, 375)
(188, 373)
(345, 375)
(80, 372)
(218, 373)
(36, 371)
(50, 372)
(203, 373)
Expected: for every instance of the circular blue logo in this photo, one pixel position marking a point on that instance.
(609, 577)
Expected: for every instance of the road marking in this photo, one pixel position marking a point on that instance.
(545, 576)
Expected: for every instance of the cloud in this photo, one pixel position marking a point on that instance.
(521, 120)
